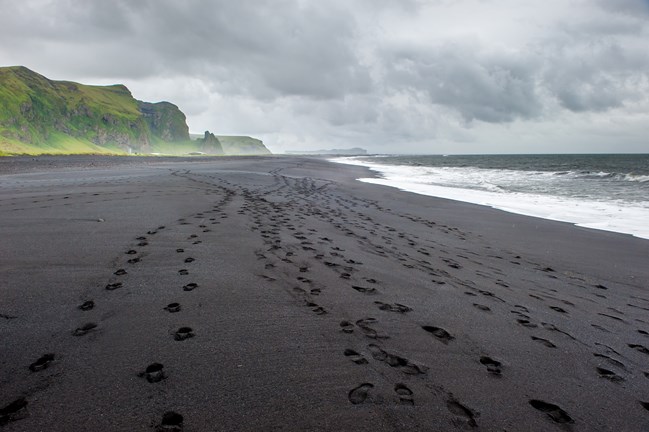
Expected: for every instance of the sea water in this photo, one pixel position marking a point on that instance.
(607, 192)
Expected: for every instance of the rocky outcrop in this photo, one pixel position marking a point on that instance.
(210, 144)
(165, 120)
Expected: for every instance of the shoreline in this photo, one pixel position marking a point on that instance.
(320, 303)
(586, 213)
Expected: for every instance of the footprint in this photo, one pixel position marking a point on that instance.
(172, 307)
(133, 261)
(609, 375)
(171, 422)
(190, 286)
(526, 323)
(364, 290)
(189, 260)
(120, 272)
(183, 333)
(80, 331)
(42, 363)
(183, 272)
(553, 411)
(396, 307)
(364, 324)
(482, 307)
(441, 334)
(396, 361)
(645, 405)
(355, 357)
(87, 305)
(558, 309)
(611, 360)
(598, 327)
(346, 327)
(131, 252)
(493, 366)
(180, 250)
(542, 341)
(359, 394)
(16, 410)
(404, 393)
(113, 286)
(154, 373)
(465, 414)
(640, 348)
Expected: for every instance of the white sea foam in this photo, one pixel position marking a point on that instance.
(521, 192)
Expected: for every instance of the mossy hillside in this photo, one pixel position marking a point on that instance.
(38, 115)
(57, 143)
(33, 108)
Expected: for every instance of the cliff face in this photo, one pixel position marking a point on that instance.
(38, 115)
(165, 120)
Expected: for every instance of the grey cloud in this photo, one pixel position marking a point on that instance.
(631, 7)
(479, 86)
(345, 70)
(596, 73)
(304, 49)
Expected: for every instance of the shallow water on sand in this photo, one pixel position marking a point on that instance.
(608, 192)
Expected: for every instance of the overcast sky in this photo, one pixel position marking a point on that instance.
(415, 76)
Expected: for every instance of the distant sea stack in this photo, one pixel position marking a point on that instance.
(356, 151)
(39, 115)
(210, 144)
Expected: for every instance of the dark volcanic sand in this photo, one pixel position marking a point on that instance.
(305, 300)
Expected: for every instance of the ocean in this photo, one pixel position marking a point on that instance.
(606, 192)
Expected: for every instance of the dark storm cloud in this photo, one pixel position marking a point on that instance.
(269, 48)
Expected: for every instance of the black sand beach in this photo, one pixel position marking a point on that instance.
(306, 300)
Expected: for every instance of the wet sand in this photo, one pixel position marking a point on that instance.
(279, 293)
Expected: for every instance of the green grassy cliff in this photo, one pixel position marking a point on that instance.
(38, 115)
